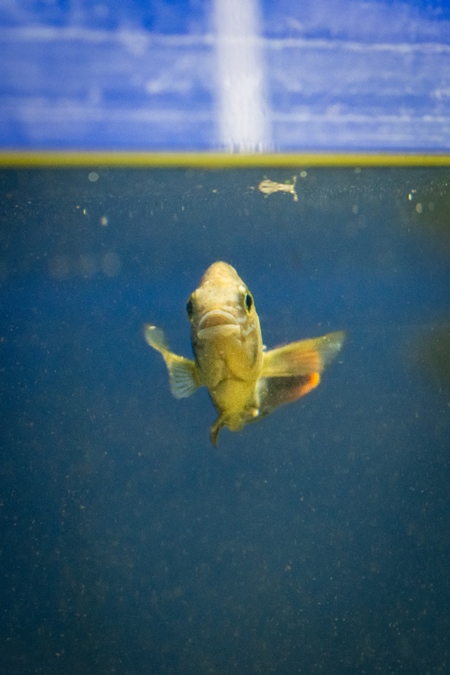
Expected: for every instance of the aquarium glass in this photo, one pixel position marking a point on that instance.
(314, 541)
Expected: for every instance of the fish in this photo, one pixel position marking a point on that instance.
(245, 381)
(268, 187)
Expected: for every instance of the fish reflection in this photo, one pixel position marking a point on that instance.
(268, 187)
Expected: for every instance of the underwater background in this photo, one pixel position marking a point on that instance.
(315, 541)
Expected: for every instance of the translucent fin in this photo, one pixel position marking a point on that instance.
(182, 372)
(155, 338)
(183, 376)
(302, 358)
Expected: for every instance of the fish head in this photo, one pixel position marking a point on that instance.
(225, 330)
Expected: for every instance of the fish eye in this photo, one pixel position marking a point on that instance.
(248, 301)
(190, 308)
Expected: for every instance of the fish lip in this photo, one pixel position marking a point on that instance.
(217, 322)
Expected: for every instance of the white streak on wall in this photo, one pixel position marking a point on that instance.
(243, 123)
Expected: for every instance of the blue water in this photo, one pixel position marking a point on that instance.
(316, 541)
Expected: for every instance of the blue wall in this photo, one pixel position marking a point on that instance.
(335, 75)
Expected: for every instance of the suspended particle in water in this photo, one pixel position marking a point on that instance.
(87, 266)
(59, 267)
(111, 264)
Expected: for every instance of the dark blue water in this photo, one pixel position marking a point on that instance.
(316, 541)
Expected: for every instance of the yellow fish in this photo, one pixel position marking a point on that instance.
(244, 381)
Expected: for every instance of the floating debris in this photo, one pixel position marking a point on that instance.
(268, 187)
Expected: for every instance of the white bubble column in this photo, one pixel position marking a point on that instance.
(243, 111)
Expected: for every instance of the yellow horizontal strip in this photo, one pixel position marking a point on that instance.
(213, 160)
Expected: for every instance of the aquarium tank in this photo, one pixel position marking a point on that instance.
(305, 147)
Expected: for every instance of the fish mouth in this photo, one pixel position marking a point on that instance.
(217, 322)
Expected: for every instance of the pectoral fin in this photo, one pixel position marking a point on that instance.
(302, 358)
(291, 371)
(182, 372)
(276, 391)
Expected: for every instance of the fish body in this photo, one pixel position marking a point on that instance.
(244, 381)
